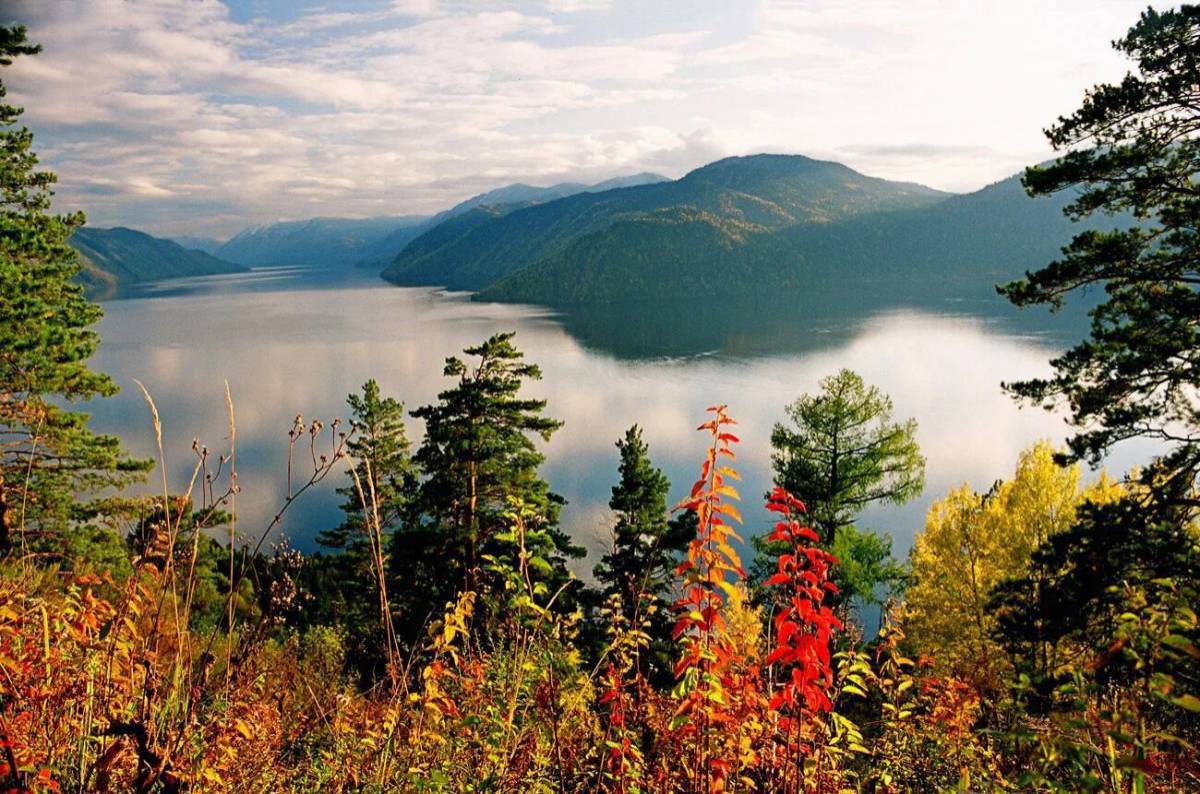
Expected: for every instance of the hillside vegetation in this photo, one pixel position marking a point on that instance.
(113, 257)
(1042, 636)
(768, 191)
(959, 247)
(375, 242)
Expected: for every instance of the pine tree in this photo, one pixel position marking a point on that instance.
(478, 455)
(1131, 151)
(383, 464)
(48, 456)
(386, 474)
(639, 567)
(839, 453)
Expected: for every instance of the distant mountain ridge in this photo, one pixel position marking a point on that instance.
(316, 241)
(344, 242)
(959, 247)
(117, 256)
(766, 191)
(382, 253)
(761, 224)
(521, 193)
(208, 245)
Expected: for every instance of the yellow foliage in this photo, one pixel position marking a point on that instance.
(972, 542)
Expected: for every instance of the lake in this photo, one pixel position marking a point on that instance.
(295, 341)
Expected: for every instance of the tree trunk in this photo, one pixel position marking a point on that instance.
(472, 529)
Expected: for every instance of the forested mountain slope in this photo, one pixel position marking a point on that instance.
(112, 257)
(962, 245)
(767, 191)
(340, 242)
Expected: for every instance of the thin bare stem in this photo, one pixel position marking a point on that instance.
(233, 487)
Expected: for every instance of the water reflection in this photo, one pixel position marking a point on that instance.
(293, 343)
(793, 323)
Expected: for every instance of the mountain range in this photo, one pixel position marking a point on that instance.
(762, 224)
(735, 196)
(327, 242)
(958, 247)
(124, 256)
(375, 242)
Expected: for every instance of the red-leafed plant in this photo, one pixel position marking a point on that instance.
(711, 572)
(804, 629)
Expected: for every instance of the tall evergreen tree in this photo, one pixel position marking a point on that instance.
(384, 470)
(1131, 149)
(48, 456)
(478, 455)
(639, 567)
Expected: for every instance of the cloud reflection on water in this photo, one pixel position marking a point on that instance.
(289, 347)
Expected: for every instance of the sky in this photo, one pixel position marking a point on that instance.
(200, 117)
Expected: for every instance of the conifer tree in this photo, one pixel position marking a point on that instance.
(1130, 149)
(479, 454)
(639, 567)
(386, 474)
(48, 455)
(383, 463)
(841, 452)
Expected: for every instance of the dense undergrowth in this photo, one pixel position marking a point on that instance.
(111, 682)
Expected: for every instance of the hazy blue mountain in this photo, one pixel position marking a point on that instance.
(959, 247)
(759, 192)
(377, 253)
(325, 242)
(634, 180)
(375, 242)
(112, 257)
(522, 194)
(206, 244)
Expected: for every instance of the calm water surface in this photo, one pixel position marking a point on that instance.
(293, 342)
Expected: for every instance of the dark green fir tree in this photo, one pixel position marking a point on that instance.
(478, 456)
(384, 471)
(49, 458)
(639, 567)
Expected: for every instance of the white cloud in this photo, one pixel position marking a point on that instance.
(574, 6)
(181, 116)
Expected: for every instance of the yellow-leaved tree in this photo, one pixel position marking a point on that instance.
(973, 541)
